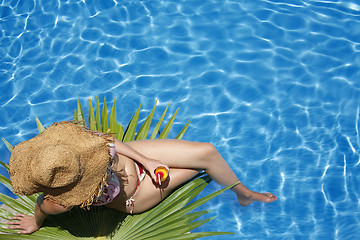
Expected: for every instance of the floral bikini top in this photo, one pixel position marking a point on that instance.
(112, 189)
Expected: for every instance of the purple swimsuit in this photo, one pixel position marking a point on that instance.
(112, 189)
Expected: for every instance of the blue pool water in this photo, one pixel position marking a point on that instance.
(274, 85)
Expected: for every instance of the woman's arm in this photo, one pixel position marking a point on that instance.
(29, 224)
(149, 164)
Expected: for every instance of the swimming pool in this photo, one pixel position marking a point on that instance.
(274, 85)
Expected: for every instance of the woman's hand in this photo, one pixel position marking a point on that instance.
(25, 223)
(151, 165)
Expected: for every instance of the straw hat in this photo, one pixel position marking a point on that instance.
(66, 162)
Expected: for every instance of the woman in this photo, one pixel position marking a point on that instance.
(73, 166)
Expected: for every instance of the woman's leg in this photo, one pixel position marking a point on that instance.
(198, 156)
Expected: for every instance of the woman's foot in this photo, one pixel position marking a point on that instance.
(255, 196)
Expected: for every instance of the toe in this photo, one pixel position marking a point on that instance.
(271, 197)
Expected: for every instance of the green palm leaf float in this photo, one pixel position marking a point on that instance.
(92, 126)
(158, 125)
(173, 218)
(104, 118)
(39, 125)
(98, 117)
(144, 130)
